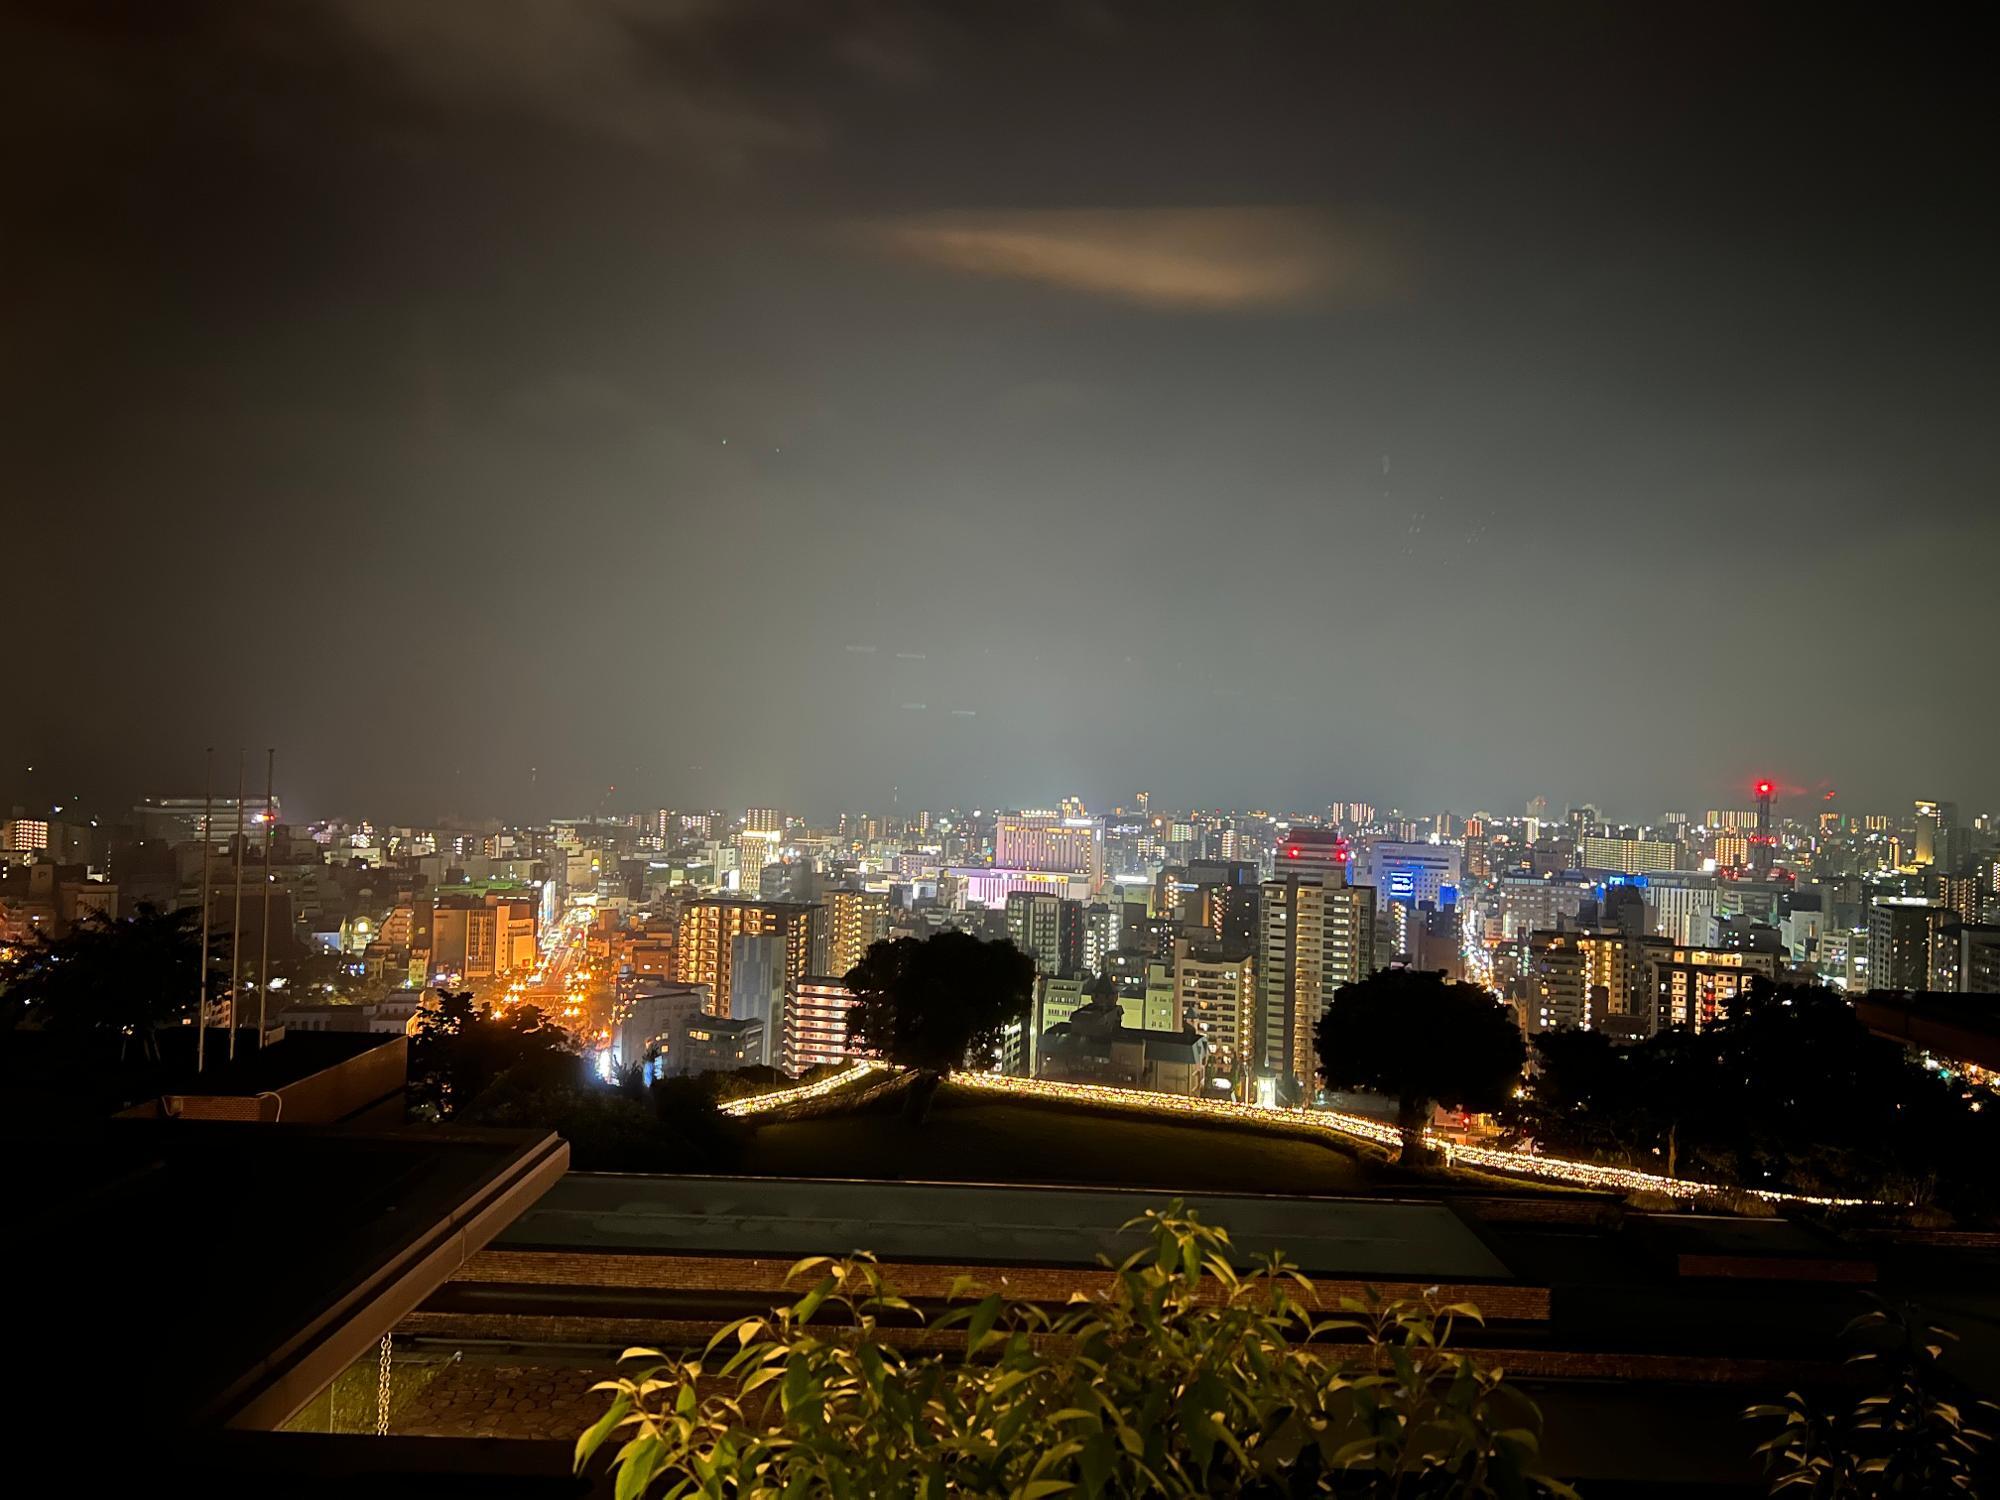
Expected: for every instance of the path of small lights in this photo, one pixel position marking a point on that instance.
(819, 1088)
(1334, 1124)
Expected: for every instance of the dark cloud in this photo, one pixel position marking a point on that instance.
(639, 73)
(1261, 403)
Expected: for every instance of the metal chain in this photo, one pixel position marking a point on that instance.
(382, 1391)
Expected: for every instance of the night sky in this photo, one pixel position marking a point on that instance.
(490, 403)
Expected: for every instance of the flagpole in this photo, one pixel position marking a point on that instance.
(270, 832)
(236, 926)
(207, 853)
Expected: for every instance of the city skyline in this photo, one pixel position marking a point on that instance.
(34, 795)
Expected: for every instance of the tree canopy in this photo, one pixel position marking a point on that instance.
(927, 1003)
(126, 976)
(1789, 1089)
(1414, 1035)
(458, 1051)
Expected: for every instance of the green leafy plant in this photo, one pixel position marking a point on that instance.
(1903, 1437)
(1183, 1375)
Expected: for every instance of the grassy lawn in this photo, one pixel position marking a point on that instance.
(975, 1138)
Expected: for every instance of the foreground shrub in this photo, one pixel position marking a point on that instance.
(1903, 1436)
(1183, 1376)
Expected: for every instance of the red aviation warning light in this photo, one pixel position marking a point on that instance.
(1765, 788)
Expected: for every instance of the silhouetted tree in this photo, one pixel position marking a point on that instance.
(926, 1004)
(1413, 1035)
(458, 1051)
(1787, 1089)
(125, 976)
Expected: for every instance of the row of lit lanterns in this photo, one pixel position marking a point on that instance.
(1333, 1123)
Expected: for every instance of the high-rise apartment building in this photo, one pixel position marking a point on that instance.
(757, 982)
(1694, 987)
(1937, 834)
(1226, 901)
(755, 848)
(815, 1024)
(1317, 933)
(709, 926)
(1306, 852)
(1912, 945)
(1540, 903)
(1103, 928)
(1599, 980)
(1556, 984)
(854, 921)
(1049, 929)
(1616, 968)
(1215, 991)
(1979, 960)
(1680, 906)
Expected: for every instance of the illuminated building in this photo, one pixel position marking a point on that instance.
(1436, 942)
(1556, 985)
(722, 1044)
(1730, 851)
(1764, 841)
(755, 848)
(1616, 970)
(815, 1024)
(479, 938)
(709, 926)
(1156, 1007)
(24, 834)
(1540, 903)
(1912, 945)
(1965, 894)
(1226, 901)
(1051, 842)
(1095, 1046)
(976, 886)
(1049, 929)
(1979, 960)
(1680, 906)
(1693, 987)
(1411, 873)
(1306, 852)
(1056, 999)
(854, 921)
(1317, 933)
(1102, 931)
(650, 1027)
(1937, 835)
(1215, 992)
(1632, 856)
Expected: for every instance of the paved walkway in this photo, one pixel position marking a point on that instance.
(509, 1401)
